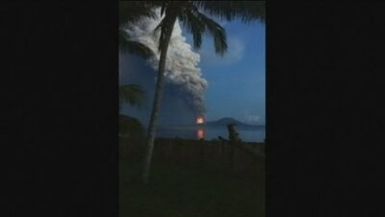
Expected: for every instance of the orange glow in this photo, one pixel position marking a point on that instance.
(200, 120)
(201, 134)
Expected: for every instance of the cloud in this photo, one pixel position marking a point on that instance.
(250, 117)
(182, 66)
(253, 118)
(234, 54)
(236, 49)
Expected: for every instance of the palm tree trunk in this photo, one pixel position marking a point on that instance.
(156, 104)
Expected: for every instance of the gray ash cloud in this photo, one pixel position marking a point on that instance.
(182, 62)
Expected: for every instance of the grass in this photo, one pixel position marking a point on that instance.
(175, 191)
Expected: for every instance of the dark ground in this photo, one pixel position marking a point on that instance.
(176, 191)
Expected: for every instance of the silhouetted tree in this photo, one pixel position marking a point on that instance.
(130, 128)
(132, 94)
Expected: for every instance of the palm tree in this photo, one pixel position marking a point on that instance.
(130, 129)
(189, 13)
(132, 94)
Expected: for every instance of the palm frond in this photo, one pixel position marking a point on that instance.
(247, 11)
(131, 93)
(163, 8)
(129, 46)
(194, 25)
(197, 23)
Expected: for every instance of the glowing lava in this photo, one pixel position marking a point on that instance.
(200, 120)
(201, 134)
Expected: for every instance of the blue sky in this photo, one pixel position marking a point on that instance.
(237, 80)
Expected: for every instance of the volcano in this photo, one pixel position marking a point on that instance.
(223, 122)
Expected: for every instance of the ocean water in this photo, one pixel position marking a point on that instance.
(209, 133)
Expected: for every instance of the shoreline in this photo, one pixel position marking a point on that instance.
(165, 139)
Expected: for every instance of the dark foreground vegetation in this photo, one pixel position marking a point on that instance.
(180, 188)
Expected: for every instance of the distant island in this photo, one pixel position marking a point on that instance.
(223, 122)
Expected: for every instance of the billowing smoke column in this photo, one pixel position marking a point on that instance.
(181, 64)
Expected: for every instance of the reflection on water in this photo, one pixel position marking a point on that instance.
(201, 133)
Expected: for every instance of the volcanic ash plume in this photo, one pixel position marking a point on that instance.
(181, 64)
